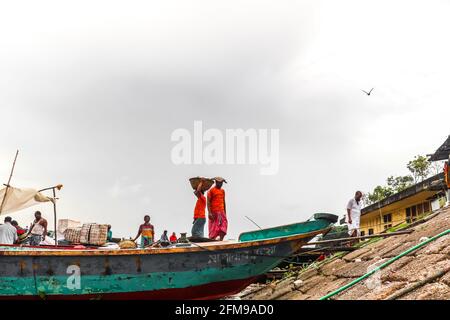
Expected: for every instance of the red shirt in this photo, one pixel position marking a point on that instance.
(200, 206)
(173, 238)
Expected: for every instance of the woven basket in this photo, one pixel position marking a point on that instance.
(127, 244)
(94, 234)
(72, 235)
(207, 183)
(84, 234)
(98, 235)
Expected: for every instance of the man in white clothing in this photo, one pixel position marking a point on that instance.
(354, 214)
(38, 229)
(8, 233)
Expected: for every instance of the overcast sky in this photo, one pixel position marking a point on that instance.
(90, 92)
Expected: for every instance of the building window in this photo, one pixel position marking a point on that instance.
(370, 232)
(426, 207)
(387, 221)
(363, 233)
(420, 209)
(411, 214)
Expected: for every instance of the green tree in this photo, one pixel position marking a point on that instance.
(400, 183)
(419, 167)
(379, 193)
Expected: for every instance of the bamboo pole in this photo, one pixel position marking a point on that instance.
(59, 186)
(54, 216)
(9, 181)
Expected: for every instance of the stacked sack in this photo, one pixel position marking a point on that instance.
(94, 234)
(73, 235)
(90, 233)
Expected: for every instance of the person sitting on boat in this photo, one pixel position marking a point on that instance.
(354, 214)
(38, 229)
(198, 225)
(21, 232)
(8, 233)
(217, 212)
(146, 231)
(164, 240)
(173, 238)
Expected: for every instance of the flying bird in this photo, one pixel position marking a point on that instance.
(368, 93)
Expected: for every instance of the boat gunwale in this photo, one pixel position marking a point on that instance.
(196, 248)
(278, 227)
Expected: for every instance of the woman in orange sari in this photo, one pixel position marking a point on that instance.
(218, 223)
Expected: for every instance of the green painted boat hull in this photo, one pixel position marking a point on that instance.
(285, 231)
(209, 271)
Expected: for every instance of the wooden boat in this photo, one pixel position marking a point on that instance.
(208, 270)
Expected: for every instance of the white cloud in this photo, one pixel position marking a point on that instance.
(122, 189)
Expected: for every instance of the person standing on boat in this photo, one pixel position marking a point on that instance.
(354, 214)
(173, 238)
(217, 211)
(147, 232)
(109, 234)
(8, 233)
(38, 229)
(198, 225)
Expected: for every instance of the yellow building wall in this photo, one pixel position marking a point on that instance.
(374, 219)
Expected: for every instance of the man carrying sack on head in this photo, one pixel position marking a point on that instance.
(217, 212)
(199, 213)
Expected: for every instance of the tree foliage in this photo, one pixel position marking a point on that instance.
(379, 193)
(420, 169)
(400, 183)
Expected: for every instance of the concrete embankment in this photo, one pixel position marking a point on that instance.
(422, 274)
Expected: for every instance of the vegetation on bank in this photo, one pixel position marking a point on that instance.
(420, 169)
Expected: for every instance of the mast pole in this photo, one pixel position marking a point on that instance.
(59, 186)
(54, 215)
(9, 181)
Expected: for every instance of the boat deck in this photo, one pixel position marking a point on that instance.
(18, 250)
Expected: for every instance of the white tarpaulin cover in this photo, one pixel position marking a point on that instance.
(18, 199)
